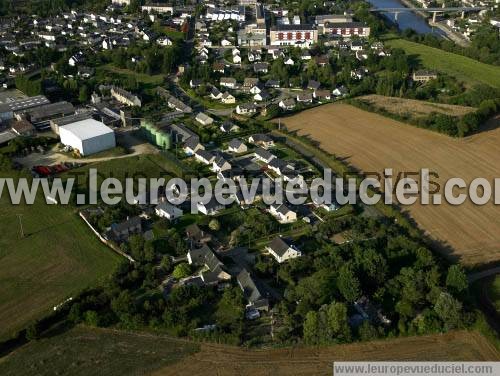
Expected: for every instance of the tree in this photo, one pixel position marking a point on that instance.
(311, 328)
(92, 318)
(449, 311)
(367, 332)
(456, 278)
(214, 225)
(231, 309)
(182, 270)
(337, 325)
(348, 283)
(166, 264)
(33, 331)
(83, 95)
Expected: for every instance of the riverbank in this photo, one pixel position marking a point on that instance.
(454, 36)
(449, 33)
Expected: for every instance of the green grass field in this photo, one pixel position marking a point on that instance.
(57, 258)
(84, 351)
(463, 68)
(494, 292)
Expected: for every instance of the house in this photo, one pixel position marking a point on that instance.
(262, 96)
(23, 128)
(262, 140)
(228, 126)
(225, 43)
(322, 95)
(220, 164)
(194, 83)
(210, 208)
(196, 236)
(256, 89)
(236, 59)
(282, 251)
(192, 145)
(282, 213)
(125, 97)
(204, 156)
(357, 45)
(167, 210)
(340, 91)
(250, 82)
(289, 61)
(214, 270)
(322, 61)
(237, 146)
(255, 299)
(305, 55)
(361, 55)
(164, 41)
(287, 104)
(215, 94)
(424, 75)
(264, 155)
(305, 97)
(274, 84)
(121, 232)
(246, 109)
(228, 98)
(261, 67)
(358, 73)
(313, 85)
(281, 167)
(203, 119)
(219, 67)
(76, 59)
(228, 82)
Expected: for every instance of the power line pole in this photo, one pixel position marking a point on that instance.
(21, 229)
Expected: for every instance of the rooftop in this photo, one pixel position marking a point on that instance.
(87, 129)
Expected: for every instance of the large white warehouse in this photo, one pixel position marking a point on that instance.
(89, 136)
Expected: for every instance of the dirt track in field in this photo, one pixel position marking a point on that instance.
(371, 142)
(415, 108)
(219, 360)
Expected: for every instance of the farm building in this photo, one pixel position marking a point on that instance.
(87, 136)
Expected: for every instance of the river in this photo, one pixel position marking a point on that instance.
(406, 20)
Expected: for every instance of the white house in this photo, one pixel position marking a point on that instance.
(237, 146)
(228, 98)
(204, 119)
(167, 210)
(281, 251)
(210, 208)
(220, 164)
(164, 41)
(246, 109)
(282, 213)
(236, 59)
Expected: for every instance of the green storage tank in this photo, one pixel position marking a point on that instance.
(153, 134)
(163, 140)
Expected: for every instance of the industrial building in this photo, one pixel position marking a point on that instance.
(88, 136)
(7, 110)
(40, 116)
(59, 122)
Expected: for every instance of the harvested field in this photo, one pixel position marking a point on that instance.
(224, 360)
(413, 108)
(371, 142)
(92, 351)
